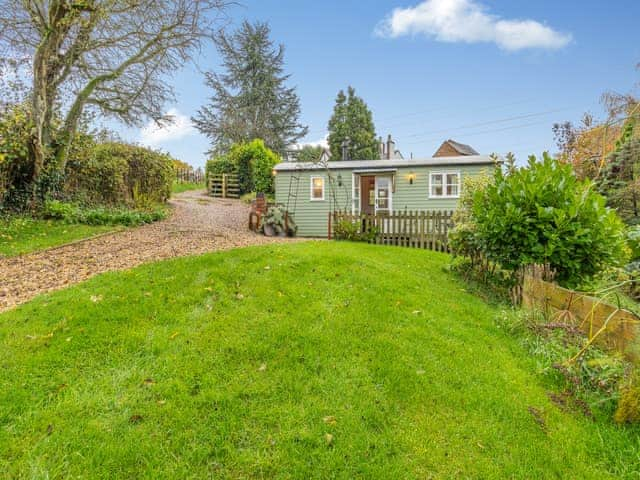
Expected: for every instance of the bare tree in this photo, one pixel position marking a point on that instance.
(112, 55)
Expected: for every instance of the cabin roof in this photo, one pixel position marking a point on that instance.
(393, 163)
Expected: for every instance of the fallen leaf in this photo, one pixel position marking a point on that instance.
(420, 372)
(161, 402)
(96, 298)
(329, 420)
(135, 419)
(328, 438)
(239, 296)
(148, 381)
(267, 267)
(263, 367)
(417, 312)
(174, 335)
(49, 429)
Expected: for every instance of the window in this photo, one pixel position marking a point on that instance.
(355, 183)
(444, 185)
(317, 188)
(383, 194)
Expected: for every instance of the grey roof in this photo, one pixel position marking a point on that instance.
(394, 163)
(462, 148)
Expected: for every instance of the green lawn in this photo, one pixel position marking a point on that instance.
(23, 235)
(311, 360)
(179, 187)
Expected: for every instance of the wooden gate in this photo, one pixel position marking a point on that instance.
(224, 185)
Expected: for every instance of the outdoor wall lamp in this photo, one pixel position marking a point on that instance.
(411, 177)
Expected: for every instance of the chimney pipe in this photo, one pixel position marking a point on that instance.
(391, 147)
(345, 149)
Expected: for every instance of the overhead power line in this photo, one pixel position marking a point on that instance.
(514, 127)
(490, 122)
(438, 109)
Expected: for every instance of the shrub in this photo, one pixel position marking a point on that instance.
(15, 168)
(633, 241)
(253, 162)
(542, 214)
(463, 239)
(73, 213)
(219, 165)
(117, 174)
(352, 231)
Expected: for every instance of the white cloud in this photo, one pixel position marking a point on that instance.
(153, 134)
(468, 21)
(323, 142)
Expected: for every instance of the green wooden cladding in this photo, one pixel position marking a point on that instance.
(312, 216)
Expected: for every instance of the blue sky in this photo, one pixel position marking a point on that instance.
(494, 74)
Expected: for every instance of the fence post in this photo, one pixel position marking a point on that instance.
(329, 226)
(224, 185)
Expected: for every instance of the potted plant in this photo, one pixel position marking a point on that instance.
(277, 223)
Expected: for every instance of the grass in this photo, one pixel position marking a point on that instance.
(310, 360)
(179, 187)
(24, 235)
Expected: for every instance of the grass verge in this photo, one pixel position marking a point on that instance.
(309, 360)
(179, 187)
(22, 235)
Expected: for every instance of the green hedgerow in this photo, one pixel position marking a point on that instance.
(253, 162)
(542, 214)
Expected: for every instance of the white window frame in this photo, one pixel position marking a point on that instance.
(389, 198)
(311, 197)
(355, 199)
(444, 174)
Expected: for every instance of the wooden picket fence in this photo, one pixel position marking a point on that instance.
(189, 175)
(224, 185)
(415, 229)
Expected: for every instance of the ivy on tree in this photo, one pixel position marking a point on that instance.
(352, 122)
(250, 99)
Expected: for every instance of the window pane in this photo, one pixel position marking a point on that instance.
(436, 185)
(317, 188)
(452, 184)
(384, 186)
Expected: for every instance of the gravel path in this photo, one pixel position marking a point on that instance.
(198, 224)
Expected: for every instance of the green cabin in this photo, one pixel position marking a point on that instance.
(310, 191)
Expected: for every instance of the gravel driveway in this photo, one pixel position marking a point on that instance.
(198, 224)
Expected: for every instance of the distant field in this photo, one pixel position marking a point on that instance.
(185, 187)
